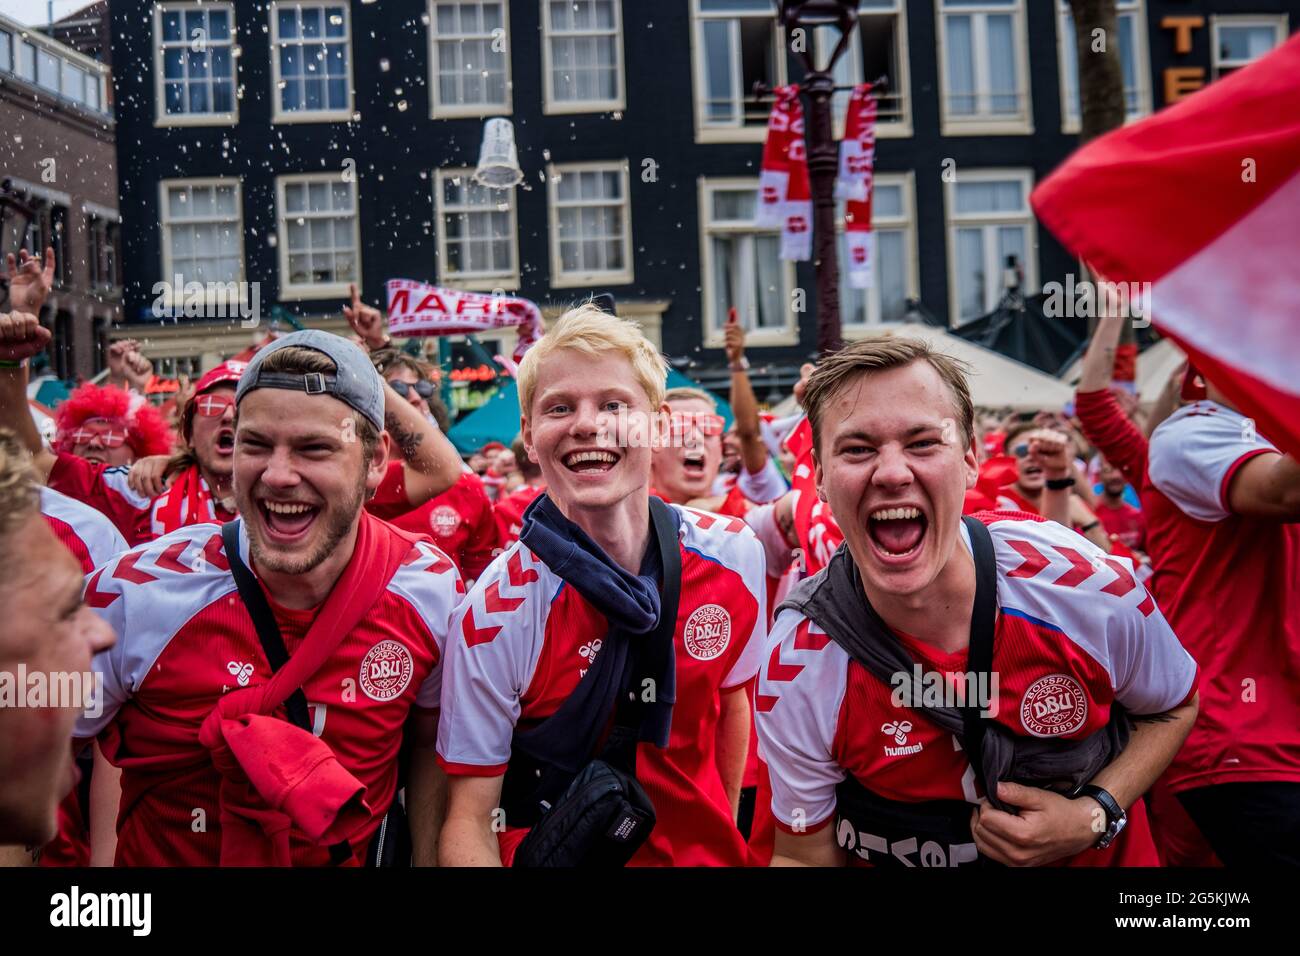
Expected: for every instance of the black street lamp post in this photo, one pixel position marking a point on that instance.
(800, 18)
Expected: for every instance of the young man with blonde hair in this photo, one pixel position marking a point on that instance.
(1093, 693)
(565, 624)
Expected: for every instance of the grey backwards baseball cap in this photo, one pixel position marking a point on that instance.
(355, 383)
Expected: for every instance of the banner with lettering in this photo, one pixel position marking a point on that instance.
(420, 309)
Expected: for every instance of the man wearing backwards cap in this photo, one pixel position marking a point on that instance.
(210, 774)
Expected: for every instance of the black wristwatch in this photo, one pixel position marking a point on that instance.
(1059, 484)
(1116, 818)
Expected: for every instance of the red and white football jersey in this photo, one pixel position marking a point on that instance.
(106, 490)
(459, 520)
(522, 639)
(508, 513)
(766, 485)
(1230, 586)
(87, 533)
(185, 638)
(93, 540)
(1075, 633)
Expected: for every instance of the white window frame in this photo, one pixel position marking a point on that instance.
(906, 223)
(314, 290)
(714, 132)
(549, 104)
(566, 280)
(713, 324)
(1279, 23)
(953, 220)
(1071, 121)
(985, 124)
(176, 296)
(440, 110)
(161, 116)
(278, 113)
(477, 282)
(21, 46)
(900, 85)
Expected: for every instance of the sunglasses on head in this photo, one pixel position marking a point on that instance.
(213, 406)
(422, 388)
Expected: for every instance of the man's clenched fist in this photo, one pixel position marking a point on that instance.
(22, 336)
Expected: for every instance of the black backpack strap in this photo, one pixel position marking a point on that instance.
(620, 746)
(268, 632)
(980, 653)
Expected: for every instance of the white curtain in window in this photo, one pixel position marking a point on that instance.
(961, 66)
(891, 274)
(971, 279)
(721, 105)
(768, 270)
(985, 197)
(1004, 92)
(1011, 242)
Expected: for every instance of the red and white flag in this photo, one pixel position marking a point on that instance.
(819, 534)
(1202, 200)
(784, 190)
(416, 308)
(853, 185)
(858, 148)
(774, 174)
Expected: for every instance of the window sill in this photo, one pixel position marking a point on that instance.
(331, 290)
(506, 283)
(852, 333)
(986, 127)
(590, 106)
(471, 112)
(757, 340)
(311, 116)
(731, 134)
(197, 119)
(573, 279)
(894, 130)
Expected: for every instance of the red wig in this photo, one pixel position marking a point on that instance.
(147, 432)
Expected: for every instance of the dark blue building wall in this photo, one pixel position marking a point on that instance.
(394, 147)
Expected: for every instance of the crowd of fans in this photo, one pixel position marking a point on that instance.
(468, 619)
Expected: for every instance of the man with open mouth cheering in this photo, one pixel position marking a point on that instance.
(210, 773)
(1061, 694)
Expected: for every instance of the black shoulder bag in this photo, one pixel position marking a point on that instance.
(604, 815)
(391, 845)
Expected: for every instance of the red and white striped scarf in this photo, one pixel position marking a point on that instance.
(188, 501)
(785, 191)
(857, 164)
